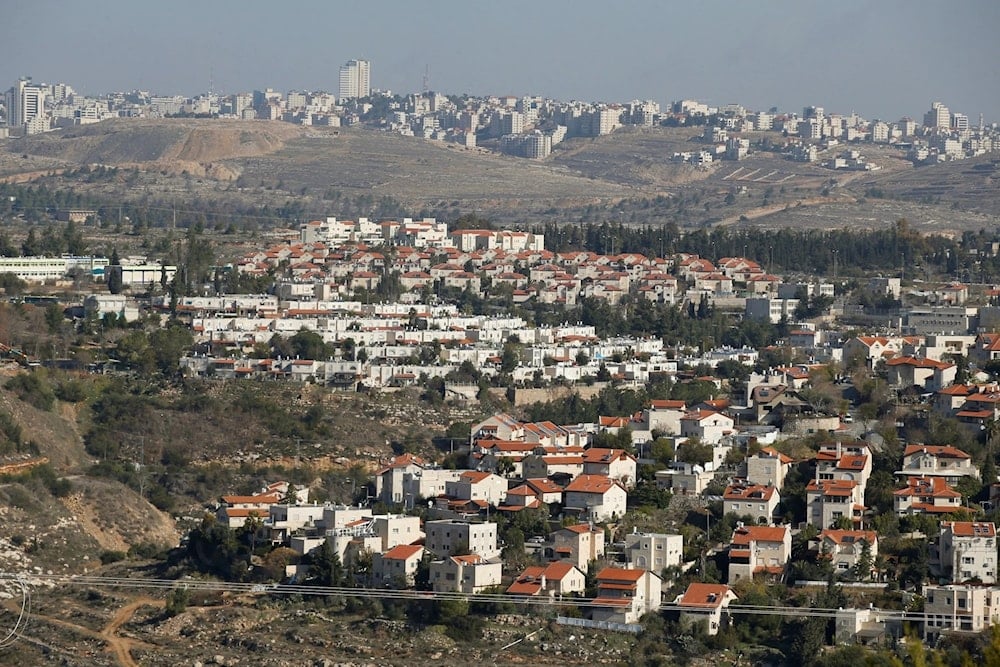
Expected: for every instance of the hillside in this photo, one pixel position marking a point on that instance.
(628, 176)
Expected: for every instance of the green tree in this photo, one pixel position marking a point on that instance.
(115, 284)
(505, 466)
(325, 568)
(510, 357)
(693, 450)
(863, 568)
(168, 346)
(54, 318)
(307, 344)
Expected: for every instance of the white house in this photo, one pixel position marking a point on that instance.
(685, 478)
(706, 425)
(389, 480)
(595, 497)
(616, 464)
(944, 461)
(828, 500)
(759, 550)
(926, 495)
(665, 416)
(769, 467)
(465, 574)
(705, 602)
(475, 485)
(758, 501)
(959, 608)
(397, 567)
(844, 548)
(554, 579)
(625, 595)
(579, 544)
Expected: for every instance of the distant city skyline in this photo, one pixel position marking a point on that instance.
(884, 59)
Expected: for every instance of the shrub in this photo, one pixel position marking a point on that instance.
(109, 556)
(177, 601)
(147, 550)
(30, 388)
(71, 391)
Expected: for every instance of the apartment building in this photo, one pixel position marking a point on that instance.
(757, 550)
(355, 80)
(959, 608)
(448, 536)
(965, 551)
(654, 551)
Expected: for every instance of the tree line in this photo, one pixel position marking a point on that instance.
(787, 249)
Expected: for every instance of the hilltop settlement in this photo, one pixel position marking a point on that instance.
(830, 435)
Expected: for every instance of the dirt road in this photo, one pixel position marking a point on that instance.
(120, 646)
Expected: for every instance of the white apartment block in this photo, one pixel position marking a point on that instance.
(447, 536)
(771, 310)
(965, 551)
(654, 551)
(959, 608)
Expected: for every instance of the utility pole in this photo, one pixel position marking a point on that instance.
(142, 460)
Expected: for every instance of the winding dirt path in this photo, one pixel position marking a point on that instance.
(121, 646)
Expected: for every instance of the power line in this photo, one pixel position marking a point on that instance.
(17, 631)
(405, 594)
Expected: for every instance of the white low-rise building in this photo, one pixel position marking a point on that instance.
(465, 574)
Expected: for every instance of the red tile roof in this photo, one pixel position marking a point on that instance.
(970, 528)
(747, 534)
(704, 595)
(591, 484)
(617, 574)
(403, 551)
(940, 451)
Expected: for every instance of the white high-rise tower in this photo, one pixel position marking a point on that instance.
(355, 79)
(24, 101)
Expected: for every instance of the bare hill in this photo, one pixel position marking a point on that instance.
(419, 172)
(972, 184)
(172, 144)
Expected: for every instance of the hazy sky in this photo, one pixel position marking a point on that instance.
(882, 58)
